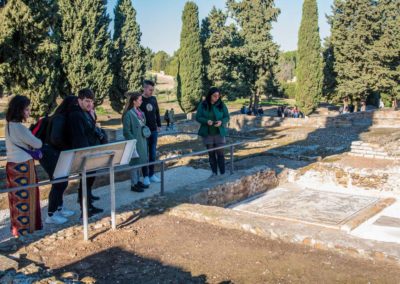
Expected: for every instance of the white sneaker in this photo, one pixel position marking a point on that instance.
(55, 219)
(213, 175)
(155, 178)
(65, 212)
(146, 181)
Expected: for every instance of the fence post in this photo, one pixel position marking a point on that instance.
(162, 178)
(231, 159)
(112, 189)
(84, 203)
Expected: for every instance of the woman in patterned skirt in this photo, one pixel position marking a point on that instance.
(20, 169)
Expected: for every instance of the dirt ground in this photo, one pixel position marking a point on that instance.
(165, 249)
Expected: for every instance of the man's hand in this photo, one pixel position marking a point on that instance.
(210, 122)
(218, 123)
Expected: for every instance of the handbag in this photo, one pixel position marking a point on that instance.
(36, 154)
(146, 132)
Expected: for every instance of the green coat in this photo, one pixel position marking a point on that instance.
(132, 129)
(203, 115)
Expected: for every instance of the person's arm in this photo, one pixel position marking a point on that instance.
(26, 136)
(127, 126)
(158, 119)
(78, 136)
(200, 117)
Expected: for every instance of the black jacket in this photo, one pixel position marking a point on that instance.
(81, 129)
(152, 112)
(57, 133)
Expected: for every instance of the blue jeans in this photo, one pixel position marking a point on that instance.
(152, 144)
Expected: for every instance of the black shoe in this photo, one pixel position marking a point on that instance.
(94, 197)
(142, 185)
(95, 210)
(137, 188)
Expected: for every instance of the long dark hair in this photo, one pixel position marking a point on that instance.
(16, 107)
(207, 101)
(66, 105)
(132, 96)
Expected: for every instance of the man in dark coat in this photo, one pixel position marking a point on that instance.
(83, 133)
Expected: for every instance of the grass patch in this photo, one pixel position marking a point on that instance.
(102, 111)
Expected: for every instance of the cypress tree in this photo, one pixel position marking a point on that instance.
(86, 46)
(190, 68)
(128, 54)
(309, 70)
(386, 50)
(28, 53)
(259, 54)
(354, 27)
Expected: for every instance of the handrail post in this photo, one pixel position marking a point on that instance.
(162, 185)
(231, 158)
(84, 201)
(112, 193)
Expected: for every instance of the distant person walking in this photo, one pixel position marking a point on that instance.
(171, 117)
(153, 121)
(20, 169)
(134, 123)
(213, 115)
(83, 133)
(57, 140)
(166, 118)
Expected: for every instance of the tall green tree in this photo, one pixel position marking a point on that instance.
(222, 65)
(190, 75)
(258, 52)
(86, 46)
(309, 69)
(148, 58)
(128, 54)
(354, 28)
(386, 50)
(160, 61)
(329, 78)
(28, 52)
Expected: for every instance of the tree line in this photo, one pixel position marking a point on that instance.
(51, 48)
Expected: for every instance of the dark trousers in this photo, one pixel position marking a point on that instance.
(56, 196)
(49, 162)
(216, 157)
(152, 144)
(89, 184)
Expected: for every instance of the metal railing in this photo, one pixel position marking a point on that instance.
(112, 169)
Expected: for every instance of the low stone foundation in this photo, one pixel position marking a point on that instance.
(233, 191)
(370, 150)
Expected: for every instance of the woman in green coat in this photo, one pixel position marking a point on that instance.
(213, 116)
(133, 120)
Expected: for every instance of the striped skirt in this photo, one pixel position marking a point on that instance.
(24, 204)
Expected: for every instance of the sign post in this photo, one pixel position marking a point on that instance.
(84, 160)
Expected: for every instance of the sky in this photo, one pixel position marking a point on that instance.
(160, 21)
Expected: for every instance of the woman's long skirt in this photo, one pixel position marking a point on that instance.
(24, 204)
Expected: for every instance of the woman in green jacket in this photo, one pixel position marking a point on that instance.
(133, 120)
(213, 116)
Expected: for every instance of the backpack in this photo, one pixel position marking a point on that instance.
(39, 129)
